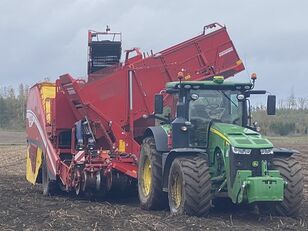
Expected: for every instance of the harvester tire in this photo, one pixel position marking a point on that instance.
(189, 186)
(150, 191)
(49, 186)
(291, 171)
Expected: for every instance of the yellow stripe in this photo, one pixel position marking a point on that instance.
(48, 92)
(238, 62)
(219, 134)
(30, 175)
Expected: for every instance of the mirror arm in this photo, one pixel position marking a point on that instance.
(167, 120)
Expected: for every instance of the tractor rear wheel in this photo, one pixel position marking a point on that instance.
(189, 186)
(291, 171)
(49, 186)
(150, 191)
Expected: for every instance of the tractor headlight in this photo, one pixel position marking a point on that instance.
(266, 151)
(184, 128)
(244, 151)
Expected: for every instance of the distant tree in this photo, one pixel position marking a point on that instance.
(302, 102)
(292, 100)
(13, 107)
(2, 112)
(280, 103)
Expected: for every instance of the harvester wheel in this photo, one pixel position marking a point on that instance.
(49, 186)
(150, 191)
(189, 186)
(291, 171)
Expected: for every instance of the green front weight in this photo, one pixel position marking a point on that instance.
(262, 188)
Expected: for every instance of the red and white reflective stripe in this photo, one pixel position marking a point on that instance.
(33, 119)
(80, 156)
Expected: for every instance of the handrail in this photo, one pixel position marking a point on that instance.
(212, 25)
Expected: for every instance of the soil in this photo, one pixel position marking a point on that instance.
(23, 207)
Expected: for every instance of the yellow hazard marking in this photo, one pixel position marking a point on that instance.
(48, 92)
(220, 134)
(187, 77)
(30, 175)
(121, 146)
(238, 62)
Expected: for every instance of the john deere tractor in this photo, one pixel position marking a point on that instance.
(206, 148)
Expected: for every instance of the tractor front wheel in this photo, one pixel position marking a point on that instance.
(189, 186)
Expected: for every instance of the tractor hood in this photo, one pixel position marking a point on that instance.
(240, 137)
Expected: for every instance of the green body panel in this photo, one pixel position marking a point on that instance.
(268, 187)
(241, 137)
(167, 128)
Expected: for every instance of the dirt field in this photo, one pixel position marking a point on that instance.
(23, 207)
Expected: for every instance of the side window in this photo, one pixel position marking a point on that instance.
(234, 108)
(170, 106)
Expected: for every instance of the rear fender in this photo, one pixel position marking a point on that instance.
(284, 152)
(160, 136)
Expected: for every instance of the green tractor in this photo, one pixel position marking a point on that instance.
(207, 149)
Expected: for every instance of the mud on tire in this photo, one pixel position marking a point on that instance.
(195, 180)
(154, 198)
(291, 171)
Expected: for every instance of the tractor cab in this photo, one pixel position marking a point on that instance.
(202, 103)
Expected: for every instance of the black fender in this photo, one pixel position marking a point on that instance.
(284, 152)
(168, 158)
(160, 136)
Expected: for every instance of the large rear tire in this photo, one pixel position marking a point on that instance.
(49, 186)
(189, 186)
(291, 171)
(150, 191)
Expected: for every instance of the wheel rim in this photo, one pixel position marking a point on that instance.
(147, 178)
(176, 191)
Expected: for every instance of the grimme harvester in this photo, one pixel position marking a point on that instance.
(154, 120)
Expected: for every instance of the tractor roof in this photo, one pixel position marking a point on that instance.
(211, 85)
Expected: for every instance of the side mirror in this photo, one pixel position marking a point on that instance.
(159, 104)
(271, 104)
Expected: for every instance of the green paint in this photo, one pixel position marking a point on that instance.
(241, 137)
(167, 128)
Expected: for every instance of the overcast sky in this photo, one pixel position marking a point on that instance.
(45, 38)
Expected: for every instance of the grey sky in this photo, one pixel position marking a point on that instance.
(45, 38)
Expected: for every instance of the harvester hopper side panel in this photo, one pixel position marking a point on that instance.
(109, 96)
(146, 84)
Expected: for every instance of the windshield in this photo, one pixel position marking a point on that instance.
(217, 105)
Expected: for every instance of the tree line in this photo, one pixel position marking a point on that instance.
(291, 116)
(13, 107)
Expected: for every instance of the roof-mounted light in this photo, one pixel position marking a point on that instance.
(253, 76)
(218, 79)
